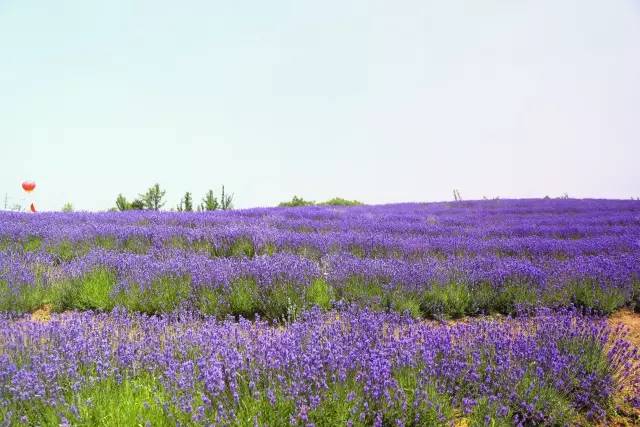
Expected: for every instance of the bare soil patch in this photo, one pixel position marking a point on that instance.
(629, 319)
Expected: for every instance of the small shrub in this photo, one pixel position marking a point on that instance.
(243, 298)
(635, 296)
(541, 404)
(32, 244)
(210, 303)
(339, 201)
(242, 247)
(591, 295)
(320, 293)
(23, 299)
(452, 300)
(515, 297)
(65, 251)
(483, 299)
(406, 303)
(106, 242)
(364, 293)
(137, 245)
(426, 406)
(282, 302)
(495, 414)
(89, 292)
(259, 410)
(296, 202)
(163, 295)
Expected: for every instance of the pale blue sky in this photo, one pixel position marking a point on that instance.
(382, 101)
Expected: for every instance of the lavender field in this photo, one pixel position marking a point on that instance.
(322, 315)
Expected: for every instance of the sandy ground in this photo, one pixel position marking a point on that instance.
(631, 320)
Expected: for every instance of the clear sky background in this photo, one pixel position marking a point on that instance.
(382, 101)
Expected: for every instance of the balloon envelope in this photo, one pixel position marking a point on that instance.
(32, 207)
(28, 186)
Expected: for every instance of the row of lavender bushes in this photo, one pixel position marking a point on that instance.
(357, 368)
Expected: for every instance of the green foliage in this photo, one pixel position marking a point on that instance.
(163, 295)
(137, 205)
(107, 403)
(212, 203)
(68, 207)
(66, 251)
(281, 302)
(592, 357)
(122, 204)
(188, 202)
(432, 409)
(590, 295)
(32, 244)
(320, 294)
(403, 302)
(258, 410)
(533, 391)
(339, 201)
(89, 292)
(138, 245)
(364, 293)
(483, 299)
(635, 297)
(152, 199)
(452, 300)
(226, 200)
(210, 302)
(243, 298)
(493, 414)
(514, 297)
(128, 403)
(337, 406)
(242, 247)
(336, 201)
(106, 242)
(27, 299)
(296, 202)
(209, 202)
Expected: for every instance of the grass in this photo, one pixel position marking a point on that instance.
(592, 296)
(320, 294)
(243, 298)
(357, 290)
(452, 300)
(93, 291)
(130, 402)
(96, 290)
(163, 295)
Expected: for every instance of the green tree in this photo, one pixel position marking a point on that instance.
(122, 204)
(188, 202)
(152, 199)
(68, 207)
(137, 205)
(209, 202)
(226, 201)
(296, 202)
(339, 201)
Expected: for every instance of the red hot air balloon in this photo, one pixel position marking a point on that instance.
(28, 186)
(32, 207)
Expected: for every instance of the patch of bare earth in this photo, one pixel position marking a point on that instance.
(43, 314)
(629, 319)
(627, 415)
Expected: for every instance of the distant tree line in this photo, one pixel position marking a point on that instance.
(153, 200)
(336, 201)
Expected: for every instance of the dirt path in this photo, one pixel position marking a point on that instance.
(631, 320)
